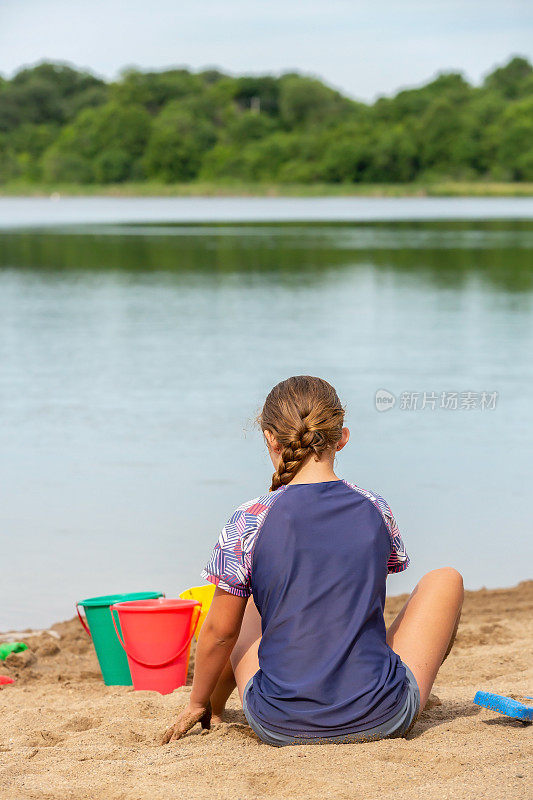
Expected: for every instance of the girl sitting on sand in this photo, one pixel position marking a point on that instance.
(310, 654)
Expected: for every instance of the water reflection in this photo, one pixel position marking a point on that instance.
(443, 254)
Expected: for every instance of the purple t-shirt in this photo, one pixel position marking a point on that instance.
(315, 557)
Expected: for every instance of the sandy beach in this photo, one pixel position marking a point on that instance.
(65, 735)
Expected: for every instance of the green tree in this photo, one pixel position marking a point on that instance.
(112, 165)
(61, 166)
(43, 94)
(394, 157)
(412, 103)
(347, 158)
(176, 145)
(265, 158)
(33, 139)
(443, 139)
(117, 131)
(27, 143)
(247, 127)
(260, 160)
(153, 90)
(515, 149)
(259, 94)
(305, 101)
(9, 166)
(223, 162)
(513, 80)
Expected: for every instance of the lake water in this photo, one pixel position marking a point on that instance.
(135, 355)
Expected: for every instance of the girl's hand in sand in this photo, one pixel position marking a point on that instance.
(187, 720)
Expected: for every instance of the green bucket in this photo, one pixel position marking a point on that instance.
(111, 656)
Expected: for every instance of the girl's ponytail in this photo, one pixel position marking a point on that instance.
(305, 416)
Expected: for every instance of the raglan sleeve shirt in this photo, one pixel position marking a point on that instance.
(230, 564)
(229, 567)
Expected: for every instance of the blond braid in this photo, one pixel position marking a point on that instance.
(305, 416)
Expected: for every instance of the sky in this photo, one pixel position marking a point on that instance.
(363, 48)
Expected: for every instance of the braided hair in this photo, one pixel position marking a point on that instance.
(305, 416)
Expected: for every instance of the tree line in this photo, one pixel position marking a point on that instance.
(59, 124)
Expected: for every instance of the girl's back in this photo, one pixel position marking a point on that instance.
(315, 557)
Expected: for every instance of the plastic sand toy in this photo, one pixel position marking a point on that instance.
(6, 648)
(204, 595)
(156, 636)
(4, 680)
(111, 657)
(517, 709)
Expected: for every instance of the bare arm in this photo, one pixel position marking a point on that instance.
(215, 643)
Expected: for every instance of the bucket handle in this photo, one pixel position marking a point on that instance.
(82, 620)
(197, 609)
(85, 624)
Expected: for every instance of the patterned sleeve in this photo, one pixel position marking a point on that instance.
(398, 559)
(230, 565)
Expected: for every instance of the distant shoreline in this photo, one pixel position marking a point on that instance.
(150, 189)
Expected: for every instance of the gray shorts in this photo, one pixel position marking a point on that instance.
(397, 726)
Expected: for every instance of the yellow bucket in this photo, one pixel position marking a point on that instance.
(204, 595)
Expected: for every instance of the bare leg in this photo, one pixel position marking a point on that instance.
(452, 640)
(424, 631)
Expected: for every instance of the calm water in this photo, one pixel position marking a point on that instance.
(135, 357)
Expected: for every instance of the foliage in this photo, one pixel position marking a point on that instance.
(63, 125)
(102, 144)
(177, 143)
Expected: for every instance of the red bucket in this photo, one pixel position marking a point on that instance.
(157, 636)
